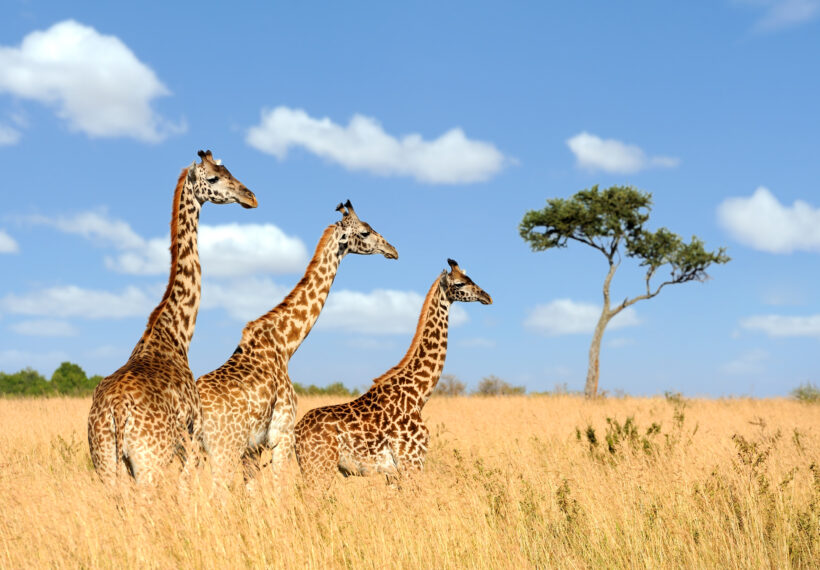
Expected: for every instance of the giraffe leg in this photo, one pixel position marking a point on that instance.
(318, 463)
(251, 467)
(102, 447)
(410, 450)
(223, 466)
(281, 437)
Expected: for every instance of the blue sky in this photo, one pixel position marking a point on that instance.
(443, 123)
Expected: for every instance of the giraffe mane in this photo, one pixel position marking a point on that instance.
(152, 320)
(416, 338)
(326, 235)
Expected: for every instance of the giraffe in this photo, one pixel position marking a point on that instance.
(382, 430)
(248, 404)
(148, 411)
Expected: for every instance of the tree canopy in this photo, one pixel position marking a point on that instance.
(613, 222)
(606, 220)
(68, 380)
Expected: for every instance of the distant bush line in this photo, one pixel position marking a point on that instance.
(70, 379)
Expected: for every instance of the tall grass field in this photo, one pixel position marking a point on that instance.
(510, 482)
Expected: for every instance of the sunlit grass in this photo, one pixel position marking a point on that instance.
(510, 482)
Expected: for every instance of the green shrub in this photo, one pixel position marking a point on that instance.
(807, 392)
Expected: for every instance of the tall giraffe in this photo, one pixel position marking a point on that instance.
(148, 411)
(382, 430)
(248, 403)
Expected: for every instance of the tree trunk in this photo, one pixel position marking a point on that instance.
(591, 387)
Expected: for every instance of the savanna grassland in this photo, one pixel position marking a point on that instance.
(510, 482)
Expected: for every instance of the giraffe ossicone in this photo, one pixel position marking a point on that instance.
(148, 412)
(248, 403)
(382, 430)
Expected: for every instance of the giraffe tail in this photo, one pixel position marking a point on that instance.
(121, 413)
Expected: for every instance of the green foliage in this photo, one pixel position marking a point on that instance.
(494, 386)
(449, 385)
(808, 393)
(612, 221)
(627, 438)
(335, 389)
(26, 382)
(598, 218)
(68, 380)
(605, 219)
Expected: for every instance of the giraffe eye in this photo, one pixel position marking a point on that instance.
(364, 234)
(459, 285)
(212, 179)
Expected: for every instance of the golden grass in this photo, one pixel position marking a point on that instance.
(508, 484)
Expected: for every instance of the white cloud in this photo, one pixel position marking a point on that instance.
(614, 156)
(8, 135)
(225, 250)
(781, 14)
(752, 362)
(7, 243)
(243, 299)
(95, 225)
(382, 311)
(44, 327)
(565, 316)
(94, 81)
(763, 223)
(783, 326)
(73, 301)
(363, 144)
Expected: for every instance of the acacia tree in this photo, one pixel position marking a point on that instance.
(612, 221)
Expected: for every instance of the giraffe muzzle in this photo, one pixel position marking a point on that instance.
(247, 199)
(390, 252)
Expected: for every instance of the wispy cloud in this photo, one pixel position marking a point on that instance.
(44, 327)
(781, 14)
(243, 299)
(94, 81)
(45, 362)
(227, 250)
(363, 144)
(72, 301)
(565, 316)
(9, 135)
(382, 311)
(763, 223)
(610, 155)
(7, 243)
(751, 362)
(784, 325)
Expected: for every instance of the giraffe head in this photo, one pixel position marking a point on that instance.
(459, 287)
(213, 182)
(359, 237)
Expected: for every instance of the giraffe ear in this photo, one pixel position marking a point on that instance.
(192, 172)
(350, 209)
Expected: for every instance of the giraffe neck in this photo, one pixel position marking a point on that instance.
(173, 320)
(288, 324)
(417, 374)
